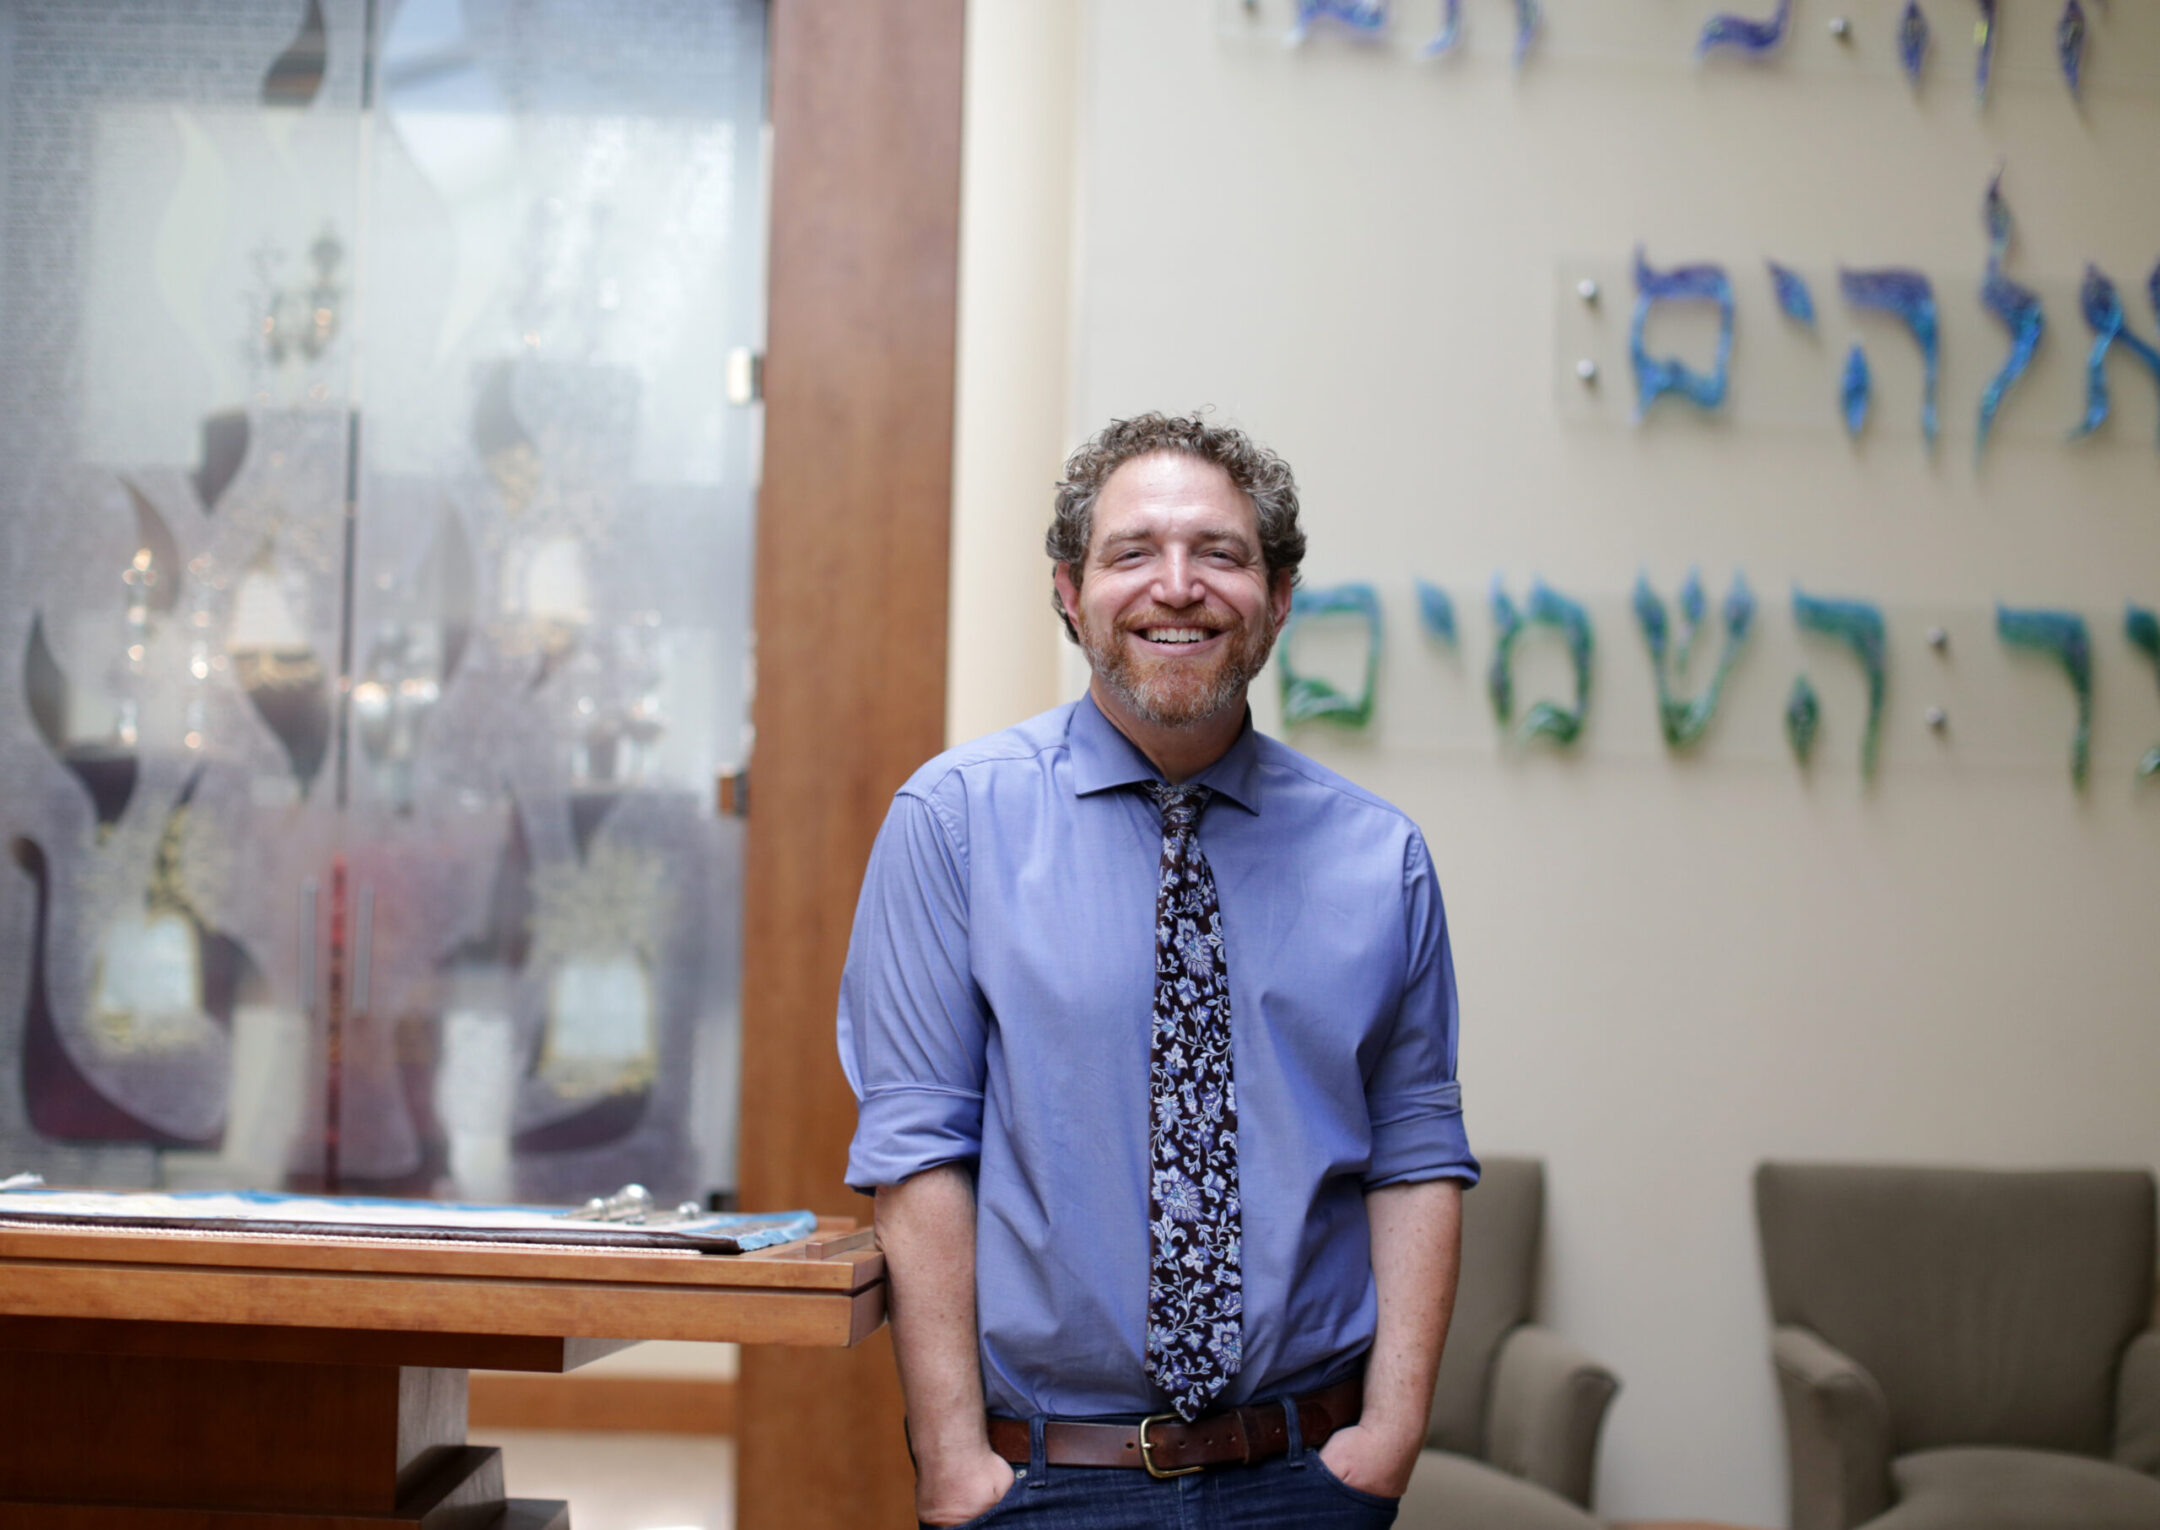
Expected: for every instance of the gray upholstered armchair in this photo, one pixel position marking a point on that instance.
(1517, 1409)
(1965, 1350)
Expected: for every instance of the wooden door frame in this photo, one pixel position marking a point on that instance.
(853, 532)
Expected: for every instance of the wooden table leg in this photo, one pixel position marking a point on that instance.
(119, 1441)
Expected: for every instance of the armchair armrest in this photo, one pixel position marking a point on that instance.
(1548, 1404)
(1837, 1429)
(2137, 1405)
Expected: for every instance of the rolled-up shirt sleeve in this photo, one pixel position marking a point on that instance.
(1412, 1097)
(912, 1024)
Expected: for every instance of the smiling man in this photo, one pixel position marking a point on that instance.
(1152, 1022)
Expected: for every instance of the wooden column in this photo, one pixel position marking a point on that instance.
(853, 526)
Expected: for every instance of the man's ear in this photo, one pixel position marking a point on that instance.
(1068, 590)
(1279, 597)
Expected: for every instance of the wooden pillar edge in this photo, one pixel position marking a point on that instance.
(854, 524)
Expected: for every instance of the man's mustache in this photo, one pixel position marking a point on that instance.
(1170, 619)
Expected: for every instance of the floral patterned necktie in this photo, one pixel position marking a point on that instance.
(1196, 1298)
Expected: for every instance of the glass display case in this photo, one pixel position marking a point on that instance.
(375, 532)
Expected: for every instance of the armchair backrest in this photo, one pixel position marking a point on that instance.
(1503, 1218)
(1992, 1307)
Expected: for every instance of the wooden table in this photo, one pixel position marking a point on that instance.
(158, 1381)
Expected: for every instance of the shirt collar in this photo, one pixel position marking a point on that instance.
(1103, 758)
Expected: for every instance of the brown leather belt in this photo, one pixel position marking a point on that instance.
(1166, 1446)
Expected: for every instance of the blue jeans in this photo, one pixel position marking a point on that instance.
(1290, 1492)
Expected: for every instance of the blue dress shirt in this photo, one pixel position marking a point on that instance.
(994, 1012)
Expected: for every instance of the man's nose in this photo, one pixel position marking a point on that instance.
(1177, 581)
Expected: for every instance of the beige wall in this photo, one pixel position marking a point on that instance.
(1016, 256)
(1669, 969)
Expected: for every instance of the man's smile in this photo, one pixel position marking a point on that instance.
(1176, 637)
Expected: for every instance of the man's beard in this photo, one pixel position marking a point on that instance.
(1168, 692)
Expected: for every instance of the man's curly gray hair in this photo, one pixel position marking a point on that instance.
(1259, 474)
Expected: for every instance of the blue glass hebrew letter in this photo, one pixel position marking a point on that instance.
(1803, 715)
(1529, 16)
(2017, 307)
(2070, 45)
(1364, 19)
(1859, 626)
(2141, 625)
(1681, 719)
(1912, 41)
(1909, 297)
(2063, 637)
(2103, 310)
(1305, 697)
(1793, 296)
(1754, 39)
(1855, 389)
(1984, 43)
(1656, 376)
(1450, 33)
(1547, 608)
(1436, 612)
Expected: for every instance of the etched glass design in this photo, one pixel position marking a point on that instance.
(376, 539)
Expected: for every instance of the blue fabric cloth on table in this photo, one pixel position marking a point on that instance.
(266, 1212)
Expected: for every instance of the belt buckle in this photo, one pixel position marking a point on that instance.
(1147, 1452)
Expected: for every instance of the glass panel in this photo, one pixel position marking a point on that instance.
(552, 593)
(180, 207)
(376, 542)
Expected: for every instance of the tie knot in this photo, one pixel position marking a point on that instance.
(1180, 805)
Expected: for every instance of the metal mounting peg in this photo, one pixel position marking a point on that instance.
(632, 1203)
(1586, 371)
